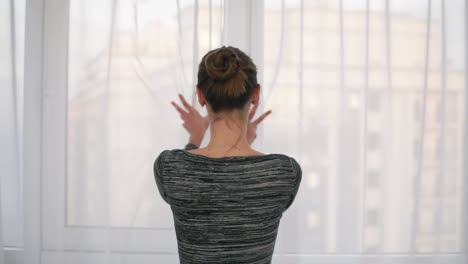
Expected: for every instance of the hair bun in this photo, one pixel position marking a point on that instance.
(222, 64)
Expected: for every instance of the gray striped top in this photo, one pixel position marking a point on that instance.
(226, 210)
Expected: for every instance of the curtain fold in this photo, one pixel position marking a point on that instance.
(11, 73)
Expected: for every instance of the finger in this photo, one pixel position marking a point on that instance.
(252, 112)
(260, 119)
(185, 103)
(179, 109)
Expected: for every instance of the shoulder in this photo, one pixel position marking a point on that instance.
(159, 162)
(168, 154)
(167, 160)
(171, 154)
(296, 169)
(291, 161)
(164, 156)
(295, 165)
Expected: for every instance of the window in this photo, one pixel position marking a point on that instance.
(109, 75)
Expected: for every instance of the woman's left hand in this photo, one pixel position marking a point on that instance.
(252, 125)
(194, 123)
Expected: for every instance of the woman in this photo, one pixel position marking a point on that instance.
(227, 199)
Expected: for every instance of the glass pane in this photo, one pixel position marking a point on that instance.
(353, 104)
(124, 69)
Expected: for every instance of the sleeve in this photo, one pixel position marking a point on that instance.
(158, 169)
(190, 146)
(297, 171)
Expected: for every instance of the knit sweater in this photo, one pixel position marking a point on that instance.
(226, 210)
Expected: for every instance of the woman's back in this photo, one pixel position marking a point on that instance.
(226, 210)
(227, 199)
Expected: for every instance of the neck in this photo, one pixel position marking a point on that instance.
(228, 133)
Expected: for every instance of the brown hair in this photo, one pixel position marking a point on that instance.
(227, 78)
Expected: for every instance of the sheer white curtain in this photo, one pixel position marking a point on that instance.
(11, 113)
(369, 96)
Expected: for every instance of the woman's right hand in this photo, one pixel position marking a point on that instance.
(252, 125)
(194, 123)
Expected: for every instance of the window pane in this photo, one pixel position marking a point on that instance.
(124, 69)
(356, 102)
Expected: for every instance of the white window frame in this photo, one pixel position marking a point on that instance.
(49, 241)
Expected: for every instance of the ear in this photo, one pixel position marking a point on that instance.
(201, 97)
(256, 95)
